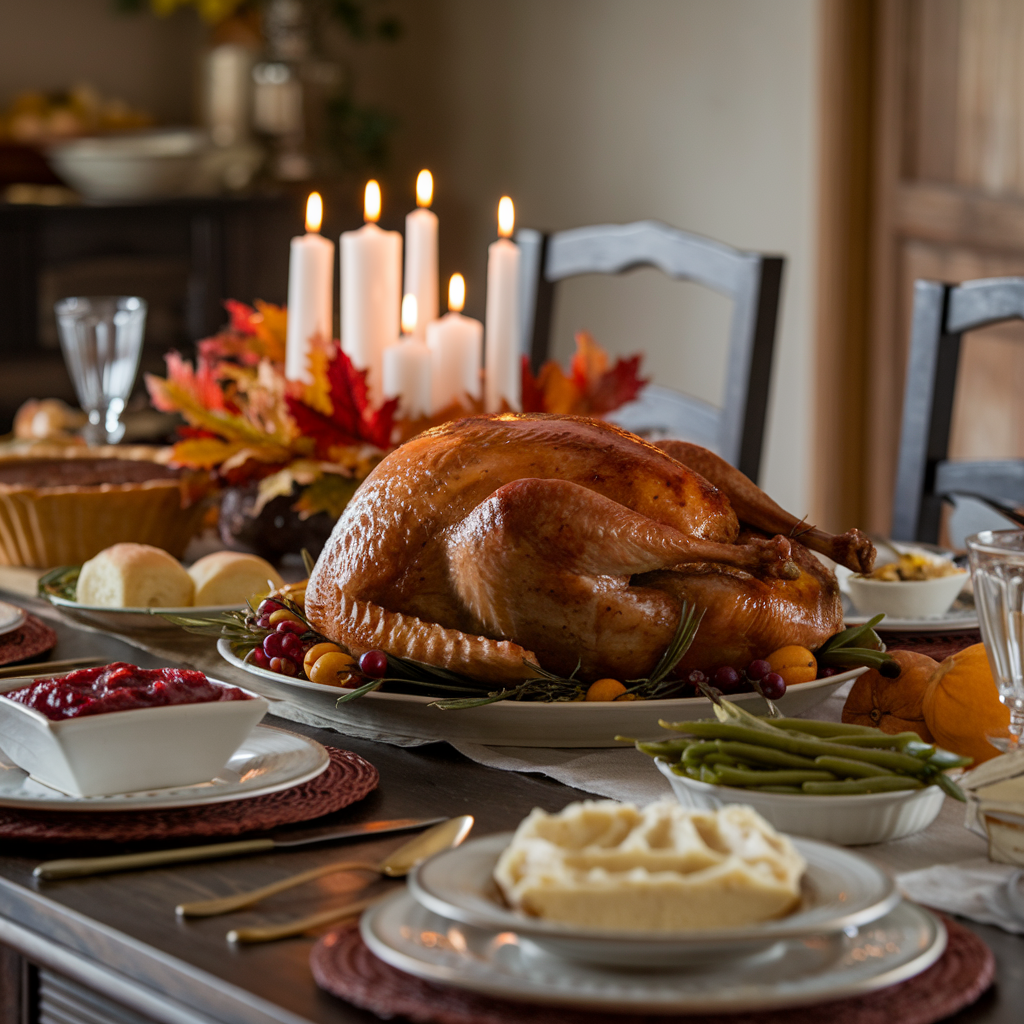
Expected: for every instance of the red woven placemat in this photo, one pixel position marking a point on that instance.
(936, 645)
(28, 641)
(344, 966)
(346, 779)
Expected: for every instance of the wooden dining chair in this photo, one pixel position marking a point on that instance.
(925, 477)
(751, 280)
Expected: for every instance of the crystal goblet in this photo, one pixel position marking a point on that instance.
(997, 568)
(101, 338)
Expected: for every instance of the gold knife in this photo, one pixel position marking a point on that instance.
(78, 867)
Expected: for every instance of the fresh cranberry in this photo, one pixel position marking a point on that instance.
(264, 622)
(287, 626)
(268, 606)
(773, 686)
(374, 664)
(826, 673)
(273, 644)
(260, 659)
(291, 647)
(695, 677)
(284, 666)
(758, 669)
(727, 679)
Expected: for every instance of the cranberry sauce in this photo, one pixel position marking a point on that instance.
(119, 687)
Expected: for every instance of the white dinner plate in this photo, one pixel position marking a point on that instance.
(268, 761)
(512, 722)
(133, 620)
(962, 616)
(839, 890)
(11, 617)
(791, 973)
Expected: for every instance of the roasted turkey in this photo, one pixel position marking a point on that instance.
(497, 541)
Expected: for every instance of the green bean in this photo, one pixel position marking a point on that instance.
(776, 789)
(825, 730)
(880, 784)
(720, 758)
(847, 766)
(696, 751)
(765, 755)
(901, 740)
(800, 745)
(709, 775)
(949, 787)
(659, 748)
(943, 759)
(781, 777)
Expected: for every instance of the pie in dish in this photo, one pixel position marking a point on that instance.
(61, 505)
(606, 865)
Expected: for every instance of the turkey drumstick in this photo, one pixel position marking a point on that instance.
(756, 509)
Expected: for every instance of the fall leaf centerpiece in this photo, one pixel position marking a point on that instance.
(312, 443)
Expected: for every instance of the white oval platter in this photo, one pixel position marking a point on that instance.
(513, 723)
(792, 973)
(268, 761)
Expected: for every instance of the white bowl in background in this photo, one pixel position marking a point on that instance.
(143, 165)
(127, 751)
(856, 819)
(906, 599)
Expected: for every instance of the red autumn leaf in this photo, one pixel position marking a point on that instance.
(185, 431)
(616, 386)
(241, 316)
(532, 393)
(351, 422)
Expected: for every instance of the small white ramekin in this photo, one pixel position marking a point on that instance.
(854, 820)
(906, 599)
(127, 751)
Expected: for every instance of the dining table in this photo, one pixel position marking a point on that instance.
(110, 948)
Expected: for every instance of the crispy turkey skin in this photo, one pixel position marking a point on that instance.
(495, 541)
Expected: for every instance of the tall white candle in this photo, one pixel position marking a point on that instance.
(310, 291)
(503, 375)
(406, 367)
(456, 345)
(371, 292)
(421, 254)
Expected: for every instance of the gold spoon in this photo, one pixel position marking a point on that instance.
(397, 864)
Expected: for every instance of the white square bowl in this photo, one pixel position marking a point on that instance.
(127, 751)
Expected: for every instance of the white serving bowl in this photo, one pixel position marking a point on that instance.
(127, 751)
(910, 599)
(853, 820)
(138, 166)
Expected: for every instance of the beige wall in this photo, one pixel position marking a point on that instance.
(700, 113)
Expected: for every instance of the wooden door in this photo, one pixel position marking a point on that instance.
(944, 98)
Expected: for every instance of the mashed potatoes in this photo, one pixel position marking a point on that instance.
(602, 864)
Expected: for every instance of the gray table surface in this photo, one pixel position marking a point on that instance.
(118, 934)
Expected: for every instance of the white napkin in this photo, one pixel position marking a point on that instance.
(974, 888)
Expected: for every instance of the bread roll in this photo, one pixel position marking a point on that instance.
(230, 577)
(134, 576)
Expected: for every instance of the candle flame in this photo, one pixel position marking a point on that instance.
(314, 212)
(371, 202)
(409, 314)
(456, 293)
(424, 188)
(506, 217)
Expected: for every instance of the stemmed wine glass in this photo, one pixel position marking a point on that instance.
(997, 568)
(101, 338)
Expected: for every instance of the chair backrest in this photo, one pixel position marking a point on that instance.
(943, 313)
(752, 280)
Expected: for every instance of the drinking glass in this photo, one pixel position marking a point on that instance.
(997, 568)
(101, 338)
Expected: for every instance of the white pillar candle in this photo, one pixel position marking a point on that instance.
(371, 292)
(456, 345)
(310, 292)
(503, 375)
(421, 254)
(406, 368)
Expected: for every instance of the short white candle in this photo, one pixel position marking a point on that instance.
(456, 345)
(406, 367)
(310, 291)
(371, 292)
(421, 254)
(503, 374)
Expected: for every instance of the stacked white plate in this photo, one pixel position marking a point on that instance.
(850, 935)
